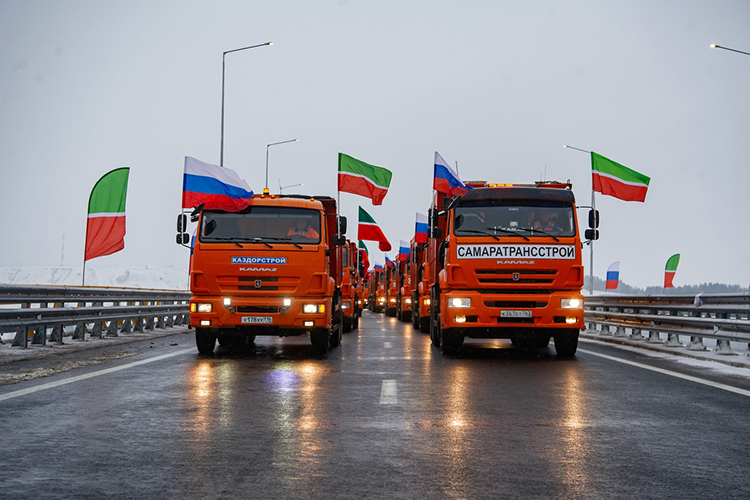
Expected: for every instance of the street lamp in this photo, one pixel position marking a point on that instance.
(714, 46)
(282, 188)
(268, 146)
(223, 65)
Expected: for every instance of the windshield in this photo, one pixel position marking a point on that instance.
(262, 224)
(544, 220)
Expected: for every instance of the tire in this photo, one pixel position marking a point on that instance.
(355, 320)
(450, 340)
(566, 343)
(406, 316)
(433, 320)
(348, 322)
(320, 338)
(205, 340)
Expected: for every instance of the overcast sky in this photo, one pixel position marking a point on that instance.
(498, 86)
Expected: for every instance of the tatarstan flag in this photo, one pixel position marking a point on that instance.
(105, 226)
(364, 255)
(369, 230)
(670, 269)
(617, 180)
(358, 177)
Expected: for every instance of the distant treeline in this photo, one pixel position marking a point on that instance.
(599, 285)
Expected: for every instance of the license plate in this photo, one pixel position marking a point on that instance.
(515, 314)
(263, 320)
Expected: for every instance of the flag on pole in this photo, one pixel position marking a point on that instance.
(420, 229)
(617, 180)
(218, 187)
(389, 263)
(364, 255)
(446, 180)
(404, 251)
(670, 270)
(378, 266)
(358, 177)
(369, 230)
(105, 225)
(613, 276)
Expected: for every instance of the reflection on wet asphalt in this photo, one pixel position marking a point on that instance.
(384, 415)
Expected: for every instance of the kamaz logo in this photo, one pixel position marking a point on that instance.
(258, 269)
(516, 262)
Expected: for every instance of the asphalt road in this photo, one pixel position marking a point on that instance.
(384, 415)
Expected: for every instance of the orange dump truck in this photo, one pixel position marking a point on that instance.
(505, 262)
(350, 286)
(420, 295)
(391, 289)
(274, 268)
(403, 308)
(377, 289)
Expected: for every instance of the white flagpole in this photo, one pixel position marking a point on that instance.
(591, 243)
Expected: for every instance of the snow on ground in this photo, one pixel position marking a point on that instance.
(163, 278)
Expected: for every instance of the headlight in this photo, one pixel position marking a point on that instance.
(313, 308)
(346, 305)
(227, 301)
(393, 299)
(459, 302)
(427, 302)
(287, 302)
(201, 308)
(571, 303)
(408, 301)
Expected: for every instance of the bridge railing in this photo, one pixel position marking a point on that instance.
(28, 308)
(723, 317)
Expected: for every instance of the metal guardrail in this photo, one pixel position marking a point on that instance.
(724, 317)
(28, 308)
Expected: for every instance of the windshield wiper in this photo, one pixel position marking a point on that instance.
(231, 240)
(284, 240)
(532, 230)
(478, 232)
(260, 240)
(508, 231)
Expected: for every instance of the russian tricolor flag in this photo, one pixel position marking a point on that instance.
(420, 230)
(613, 276)
(446, 179)
(218, 187)
(379, 266)
(389, 262)
(404, 251)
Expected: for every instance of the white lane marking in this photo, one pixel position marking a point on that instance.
(78, 378)
(716, 385)
(389, 393)
(387, 345)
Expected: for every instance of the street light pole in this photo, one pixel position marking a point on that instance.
(268, 146)
(223, 67)
(714, 46)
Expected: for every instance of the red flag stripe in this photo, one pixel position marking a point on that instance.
(361, 185)
(104, 236)
(621, 190)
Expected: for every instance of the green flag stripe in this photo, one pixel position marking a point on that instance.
(109, 193)
(363, 247)
(673, 262)
(378, 175)
(365, 218)
(608, 167)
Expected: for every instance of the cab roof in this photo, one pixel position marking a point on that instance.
(516, 193)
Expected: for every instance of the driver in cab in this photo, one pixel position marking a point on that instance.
(302, 229)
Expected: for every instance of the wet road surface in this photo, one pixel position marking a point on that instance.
(384, 415)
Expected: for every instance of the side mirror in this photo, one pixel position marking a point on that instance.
(591, 234)
(342, 225)
(593, 219)
(181, 223)
(436, 232)
(339, 240)
(183, 239)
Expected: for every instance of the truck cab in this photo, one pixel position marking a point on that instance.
(506, 263)
(274, 268)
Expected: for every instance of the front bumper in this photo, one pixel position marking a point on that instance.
(262, 312)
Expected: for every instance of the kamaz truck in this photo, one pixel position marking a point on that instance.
(505, 262)
(274, 268)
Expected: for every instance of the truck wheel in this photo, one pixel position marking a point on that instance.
(348, 322)
(434, 319)
(450, 341)
(406, 316)
(320, 338)
(355, 322)
(566, 343)
(424, 324)
(205, 340)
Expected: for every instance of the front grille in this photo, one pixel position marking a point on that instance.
(257, 288)
(257, 309)
(523, 276)
(286, 284)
